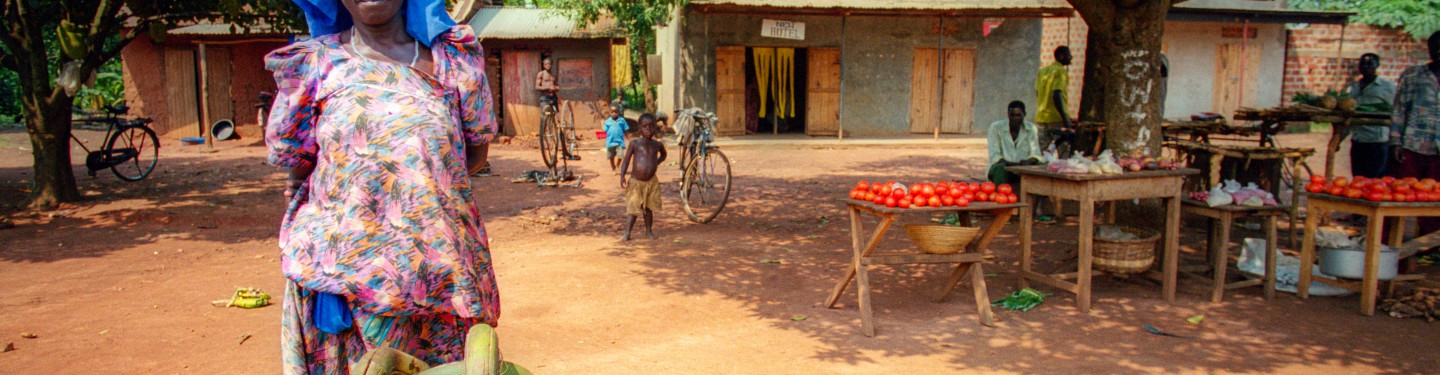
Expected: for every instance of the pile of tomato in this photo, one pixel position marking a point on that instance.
(1388, 189)
(937, 194)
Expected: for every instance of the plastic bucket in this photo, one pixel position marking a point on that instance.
(223, 130)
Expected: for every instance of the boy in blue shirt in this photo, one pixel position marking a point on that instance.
(615, 128)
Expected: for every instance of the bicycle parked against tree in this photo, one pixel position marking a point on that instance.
(131, 149)
(557, 133)
(704, 170)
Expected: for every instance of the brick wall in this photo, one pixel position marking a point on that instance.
(1066, 32)
(1317, 61)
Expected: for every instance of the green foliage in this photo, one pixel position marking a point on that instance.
(108, 89)
(1419, 18)
(637, 18)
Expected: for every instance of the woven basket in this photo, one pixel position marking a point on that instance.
(1125, 256)
(941, 239)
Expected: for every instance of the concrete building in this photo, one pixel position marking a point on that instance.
(864, 67)
(163, 78)
(516, 38)
(1222, 54)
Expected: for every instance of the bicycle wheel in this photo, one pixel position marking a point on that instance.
(136, 148)
(567, 130)
(549, 140)
(706, 186)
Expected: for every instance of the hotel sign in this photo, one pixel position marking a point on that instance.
(782, 29)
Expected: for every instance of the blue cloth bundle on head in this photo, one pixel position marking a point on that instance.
(424, 19)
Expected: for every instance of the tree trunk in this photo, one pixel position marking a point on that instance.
(1122, 71)
(640, 54)
(48, 120)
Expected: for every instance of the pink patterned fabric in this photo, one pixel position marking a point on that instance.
(387, 219)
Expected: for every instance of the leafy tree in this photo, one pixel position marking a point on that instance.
(1419, 18)
(83, 35)
(636, 17)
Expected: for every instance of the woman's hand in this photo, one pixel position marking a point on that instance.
(292, 186)
(297, 179)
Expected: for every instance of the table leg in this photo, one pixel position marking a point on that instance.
(1087, 241)
(1219, 251)
(1172, 247)
(1371, 284)
(1397, 231)
(1270, 253)
(979, 246)
(867, 322)
(1307, 250)
(982, 295)
(1027, 224)
(855, 228)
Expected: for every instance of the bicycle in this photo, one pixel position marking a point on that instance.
(557, 128)
(131, 149)
(704, 189)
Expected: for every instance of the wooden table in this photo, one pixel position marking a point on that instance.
(1376, 213)
(968, 261)
(1292, 158)
(1088, 189)
(1222, 217)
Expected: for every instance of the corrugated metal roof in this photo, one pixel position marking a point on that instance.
(894, 4)
(530, 23)
(223, 29)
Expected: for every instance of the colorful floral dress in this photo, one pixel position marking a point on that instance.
(387, 219)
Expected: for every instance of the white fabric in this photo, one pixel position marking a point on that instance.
(1027, 146)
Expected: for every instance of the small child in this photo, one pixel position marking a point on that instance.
(615, 128)
(642, 195)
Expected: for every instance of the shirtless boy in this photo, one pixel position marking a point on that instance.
(642, 190)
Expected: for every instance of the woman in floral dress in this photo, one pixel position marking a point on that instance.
(379, 118)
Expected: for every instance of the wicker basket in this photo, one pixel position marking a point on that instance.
(941, 239)
(1125, 256)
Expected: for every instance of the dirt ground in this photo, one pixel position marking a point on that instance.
(123, 282)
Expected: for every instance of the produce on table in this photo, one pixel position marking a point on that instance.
(1231, 192)
(937, 194)
(1106, 163)
(1388, 189)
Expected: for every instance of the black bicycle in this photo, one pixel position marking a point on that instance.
(131, 149)
(705, 171)
(557, 134)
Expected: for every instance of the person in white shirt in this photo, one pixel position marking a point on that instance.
(1014, 141)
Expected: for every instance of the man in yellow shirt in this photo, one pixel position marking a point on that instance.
(1050, 86)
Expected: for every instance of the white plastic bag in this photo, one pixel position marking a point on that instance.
(1287, 270)
(1218, 197)
(1107, 164)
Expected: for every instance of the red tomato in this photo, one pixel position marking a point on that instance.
(862, 185)
(870, 196)
(1317, 179)
(879, 199)
(1403, 188)
(897, 193)
(1388, 197)
(1005, 188)
(1342, 182)
(1336, 190)
(885, 190)
(1428, 181)
(942, 189)
(1375, 196)
(876, 188)
(1314, 187)
(855, 194)
(1388, 179)
(1411, 180)
(928, 191)
(933, 202)
(962, 202)
(988, 187)
(982, 197)
(1354, 193)
(947, 200)
(890, 202)
(970, 196)
(919, 202)
(956, 191)
(903, 204)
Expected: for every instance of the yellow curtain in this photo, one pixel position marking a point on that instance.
(764, 63)
(620, 73)
(785, 83)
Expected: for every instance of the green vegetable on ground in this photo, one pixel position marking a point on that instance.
(1023, 300)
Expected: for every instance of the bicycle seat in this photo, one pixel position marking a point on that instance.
(117, 110)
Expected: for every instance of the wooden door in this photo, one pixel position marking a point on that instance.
(958, 96)
(730, 90)
(1235, 77)
(925, 91)
(182, 106)
(822, 92)
(522, 102)
(218, 99)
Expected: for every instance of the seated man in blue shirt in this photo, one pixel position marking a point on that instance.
(1012, 142)
(615, 127)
